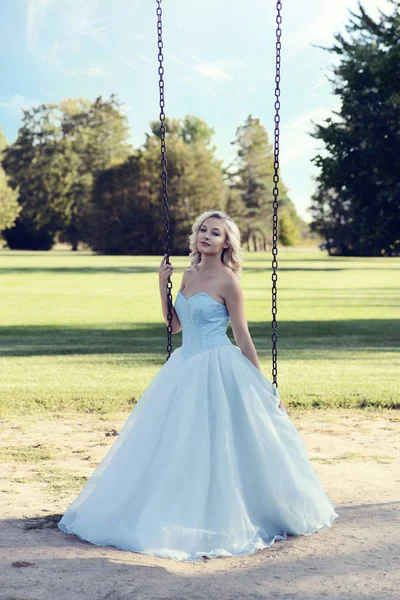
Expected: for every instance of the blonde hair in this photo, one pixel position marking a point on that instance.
(232, 256)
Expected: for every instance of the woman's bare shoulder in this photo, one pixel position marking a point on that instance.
(229, 282)
(230, 275)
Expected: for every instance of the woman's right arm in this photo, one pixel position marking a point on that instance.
(166, 271)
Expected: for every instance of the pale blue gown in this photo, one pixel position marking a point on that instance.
(206, 464)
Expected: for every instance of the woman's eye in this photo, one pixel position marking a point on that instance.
(215, 232)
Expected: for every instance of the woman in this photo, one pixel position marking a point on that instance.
(208, 463)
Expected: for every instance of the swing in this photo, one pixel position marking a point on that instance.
(186, 505)
(274, 248)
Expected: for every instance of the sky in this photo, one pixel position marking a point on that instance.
(219, 61)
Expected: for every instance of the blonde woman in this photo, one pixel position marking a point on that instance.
(208, 463)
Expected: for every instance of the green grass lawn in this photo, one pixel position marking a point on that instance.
(85, 332)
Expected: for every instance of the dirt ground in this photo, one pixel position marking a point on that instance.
(44, 460)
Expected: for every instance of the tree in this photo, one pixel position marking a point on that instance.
(9, 207)
(25, 163)
(251, 174)
(288, 225)
(127, 215)
(356, 204)
(59, 150)
(121, 221)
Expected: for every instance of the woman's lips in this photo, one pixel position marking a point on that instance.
(204, 244)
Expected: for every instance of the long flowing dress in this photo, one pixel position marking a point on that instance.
(206, 464)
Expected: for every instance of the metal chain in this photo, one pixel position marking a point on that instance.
(275, 201)
(164, 173)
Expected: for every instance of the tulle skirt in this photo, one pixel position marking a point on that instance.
(206, 464)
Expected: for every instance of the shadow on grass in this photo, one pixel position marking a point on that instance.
(365, 335)
(248, 270)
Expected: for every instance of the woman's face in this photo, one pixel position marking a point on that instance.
(211, 231)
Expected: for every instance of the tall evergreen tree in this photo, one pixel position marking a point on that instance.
(251, 174)
(357, 201)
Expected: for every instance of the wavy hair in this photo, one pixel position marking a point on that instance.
(232, 256)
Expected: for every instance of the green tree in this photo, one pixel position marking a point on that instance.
(288, 225)
(60, 149)
(357, 200)
(121, 220)
(25, 163)
(195, 175)
(128, 217)
(251, 174)
(9, 207)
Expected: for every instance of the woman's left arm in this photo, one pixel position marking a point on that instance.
(234, 301)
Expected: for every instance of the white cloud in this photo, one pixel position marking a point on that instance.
(87, 26)
(15, 104)
(296, 142)
(327, 19)
(212, 72)
(141, 38)
(148, 60)
(36, 14)
(228, 69)
(176, 60)
(78, 20)
(68, 25)
(313, 93)
(92, 70)
(130, 65)
(302, 121)
(232, 63)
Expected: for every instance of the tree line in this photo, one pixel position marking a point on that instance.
(72, 173)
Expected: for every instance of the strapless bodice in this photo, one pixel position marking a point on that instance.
(204, 323)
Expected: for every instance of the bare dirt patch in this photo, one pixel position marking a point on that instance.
(44, 462)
